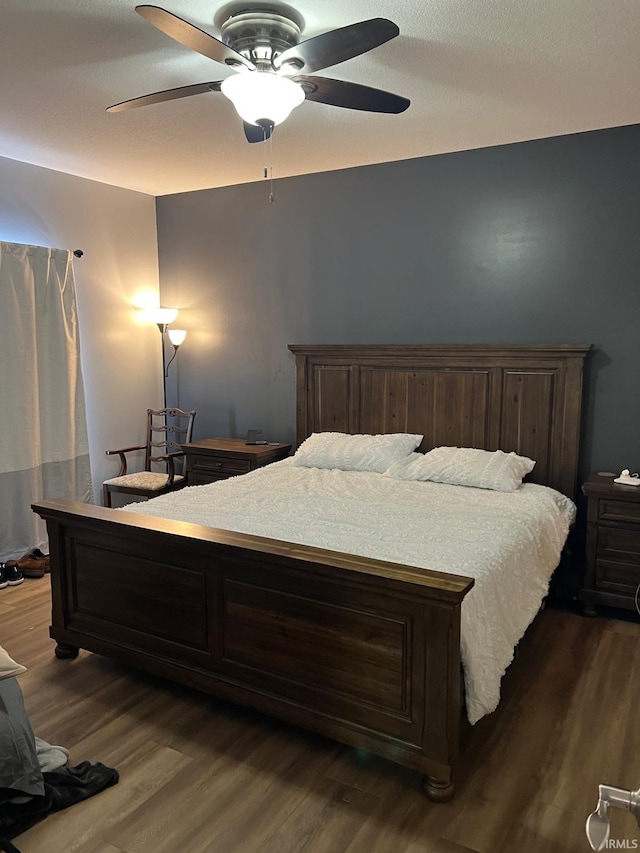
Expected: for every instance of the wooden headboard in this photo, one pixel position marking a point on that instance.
(525, 399)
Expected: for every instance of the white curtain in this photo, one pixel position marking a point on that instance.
(44, 449)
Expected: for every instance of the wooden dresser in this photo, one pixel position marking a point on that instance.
(218, 458)
(613, 544)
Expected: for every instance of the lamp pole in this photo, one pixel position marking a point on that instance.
(176, 337)
(162, 317)
(163, 329)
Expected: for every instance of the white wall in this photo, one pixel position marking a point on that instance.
(116, 229)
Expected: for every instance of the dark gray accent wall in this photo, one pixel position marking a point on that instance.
(535, 242)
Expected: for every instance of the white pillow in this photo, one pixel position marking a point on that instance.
(355, 452)
(8, 667)
(465, 466)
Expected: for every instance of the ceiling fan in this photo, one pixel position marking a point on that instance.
(273, 66)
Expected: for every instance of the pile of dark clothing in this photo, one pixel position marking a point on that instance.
(35, 778)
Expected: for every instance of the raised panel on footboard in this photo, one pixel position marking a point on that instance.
(317, 644)
(359, 660)
(136, 594)
(115, 590)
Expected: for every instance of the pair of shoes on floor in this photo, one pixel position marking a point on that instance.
(34, 564)
(10, 574)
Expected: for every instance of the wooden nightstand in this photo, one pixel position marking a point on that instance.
(218, 458)
(613, 544)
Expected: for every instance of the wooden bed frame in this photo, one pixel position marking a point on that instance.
(364, 651)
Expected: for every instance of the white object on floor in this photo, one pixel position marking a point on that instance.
(50, 757)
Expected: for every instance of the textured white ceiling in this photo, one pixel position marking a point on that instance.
(478, 73)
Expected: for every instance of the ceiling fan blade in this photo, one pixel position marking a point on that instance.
(353, 96)
(192, 37)
(338, 45)
(255, 133)
(166, 95)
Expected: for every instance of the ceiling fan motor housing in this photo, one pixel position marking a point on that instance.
(260, 35)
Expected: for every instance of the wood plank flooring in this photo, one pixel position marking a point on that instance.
(204, 776)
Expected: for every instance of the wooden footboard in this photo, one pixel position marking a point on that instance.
(363, 651)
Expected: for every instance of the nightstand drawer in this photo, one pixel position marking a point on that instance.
(617, 577)
(212, 459)
(222, 465)
(616, 510)
(620, 546)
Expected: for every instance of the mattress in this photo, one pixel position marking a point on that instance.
(510, 543)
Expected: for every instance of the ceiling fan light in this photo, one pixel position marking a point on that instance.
(262, 96)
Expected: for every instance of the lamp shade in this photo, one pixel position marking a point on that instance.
(162, 316)
(177, 336)
(261, 96)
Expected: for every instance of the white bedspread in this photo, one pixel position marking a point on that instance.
(510, 543)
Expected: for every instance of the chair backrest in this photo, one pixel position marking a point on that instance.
(167, 429)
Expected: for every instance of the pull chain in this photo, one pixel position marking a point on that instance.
(268, 169)
(271, 167)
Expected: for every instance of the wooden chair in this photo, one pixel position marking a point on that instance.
(167, 429)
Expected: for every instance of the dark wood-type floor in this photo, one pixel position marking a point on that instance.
(202, 775)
